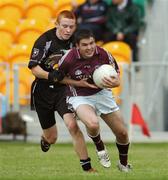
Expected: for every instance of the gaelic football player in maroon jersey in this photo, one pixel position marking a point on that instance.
(80, 63)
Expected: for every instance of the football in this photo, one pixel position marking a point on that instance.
(105, 70)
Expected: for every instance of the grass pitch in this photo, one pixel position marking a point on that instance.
(20, 161)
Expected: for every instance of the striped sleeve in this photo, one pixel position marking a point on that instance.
(64, 62)
(113, 62)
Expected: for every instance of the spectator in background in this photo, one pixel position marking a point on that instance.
(92, 15)
(123, 23)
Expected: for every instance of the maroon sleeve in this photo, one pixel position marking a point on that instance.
(64, 62)
(112, 61)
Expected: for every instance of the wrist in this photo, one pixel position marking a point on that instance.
(55, 76)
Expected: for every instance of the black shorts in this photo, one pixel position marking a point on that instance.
(46, 99)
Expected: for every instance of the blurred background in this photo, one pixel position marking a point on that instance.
(144, 81)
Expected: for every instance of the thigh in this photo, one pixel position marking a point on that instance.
(115, 121)
(61, 105)
(87, 114)
(80, 100)
(85, 108)
(46, 117)
(44, 96)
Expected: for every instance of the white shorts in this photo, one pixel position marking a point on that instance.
(103, 102)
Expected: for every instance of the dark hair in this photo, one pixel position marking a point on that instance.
(83, 34)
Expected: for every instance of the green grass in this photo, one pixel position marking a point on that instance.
(20, 161)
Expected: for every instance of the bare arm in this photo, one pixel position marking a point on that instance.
(38, 72)
(80, 83)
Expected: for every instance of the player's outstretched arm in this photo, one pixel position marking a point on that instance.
(38, 72)
(79, 83)
(53, 76)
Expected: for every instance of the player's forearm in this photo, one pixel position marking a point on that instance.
(38, 72)
(69, 81)
(78, 83)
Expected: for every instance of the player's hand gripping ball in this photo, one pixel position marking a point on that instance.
(105, 70)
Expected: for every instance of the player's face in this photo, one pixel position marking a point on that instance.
(65, 28)
(87, 47)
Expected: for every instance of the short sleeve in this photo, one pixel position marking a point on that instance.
(38, 52)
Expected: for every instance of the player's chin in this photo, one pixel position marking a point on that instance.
(89, 55)
(66, 37)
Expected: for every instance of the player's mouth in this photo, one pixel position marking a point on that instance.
(89, 53)
(67, 35)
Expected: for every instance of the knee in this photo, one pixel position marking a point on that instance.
(122, 136)
(93, 126)
(73, 127)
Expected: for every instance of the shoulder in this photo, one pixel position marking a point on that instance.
(45, 37)
(105, 54)
(109, 59)
(50, 33)
(68, 57)
(71, 53)
(101, 51)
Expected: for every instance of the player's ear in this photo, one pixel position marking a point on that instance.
(56, 23)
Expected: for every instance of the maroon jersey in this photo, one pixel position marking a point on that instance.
(77, 68)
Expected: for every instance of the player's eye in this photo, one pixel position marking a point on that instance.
(71, 27)
(64, 26)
